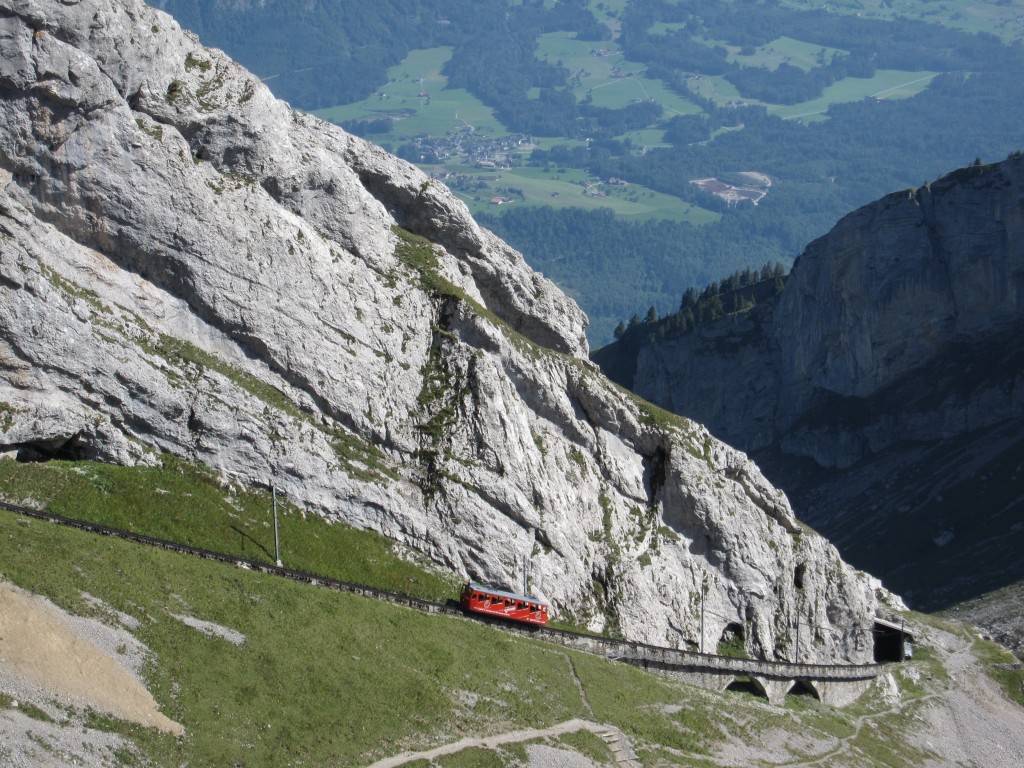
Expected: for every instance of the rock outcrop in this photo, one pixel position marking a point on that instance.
(883, 387)
(188, 266)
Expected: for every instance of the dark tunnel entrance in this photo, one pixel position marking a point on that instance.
(892, 641)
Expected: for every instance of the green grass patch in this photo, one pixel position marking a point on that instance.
(438, 111)
(587, 743)
(473, 757)
(785, 50)
(997, 17)
(573, 188)
(27, 709)
(1003, 667)
(733, 648)
(188, 504)
(646, 707)
(322, 678)
(886, 84)
(609, 79)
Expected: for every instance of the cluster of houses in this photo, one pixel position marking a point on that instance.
(467, 146)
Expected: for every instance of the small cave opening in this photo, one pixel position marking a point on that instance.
(732, 642)
(39, 451)
(655, 474)
(798, 575)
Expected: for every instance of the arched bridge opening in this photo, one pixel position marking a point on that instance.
(744, 684)
(804, 688)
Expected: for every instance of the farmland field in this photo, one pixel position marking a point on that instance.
(574, 188)
(601, 71)
(1004, 19)
(785, 50)
(414, 115)
(886, 84)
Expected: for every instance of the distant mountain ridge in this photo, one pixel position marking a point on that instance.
(884, 388)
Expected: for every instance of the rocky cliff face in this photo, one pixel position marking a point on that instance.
(881, 388)
(188, 266)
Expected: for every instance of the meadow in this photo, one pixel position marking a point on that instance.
(416, 115)
(573, 188)
(327, 678)
(1000, 18)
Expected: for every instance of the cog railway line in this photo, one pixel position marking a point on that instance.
(833, 684)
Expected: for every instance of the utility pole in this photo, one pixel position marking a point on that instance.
(797, 639)
(703, 587)
(277, 540)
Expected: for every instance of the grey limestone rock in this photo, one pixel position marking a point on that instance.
(188, 266)
(875, 312)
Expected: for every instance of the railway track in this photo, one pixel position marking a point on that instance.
(641, 654)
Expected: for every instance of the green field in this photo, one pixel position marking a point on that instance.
(886, 84)
(1002, 18)
(718, 90)
(610, 80)
(188, 504)
(785, 50)
(609, 13)
(665, 27)
(445, 109)
(564, 188)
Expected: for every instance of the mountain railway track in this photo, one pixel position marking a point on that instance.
(705, 669)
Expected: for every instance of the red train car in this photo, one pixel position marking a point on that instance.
(507, 605)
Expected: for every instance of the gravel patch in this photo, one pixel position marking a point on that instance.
(29, 743)
(542, 756)
(210, 629)
(50, 658)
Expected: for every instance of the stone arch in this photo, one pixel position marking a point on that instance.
(804, 688)
(749, 685)
(774, 689)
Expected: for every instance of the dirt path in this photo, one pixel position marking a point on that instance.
(612, 736)
(965, 721)
(46, 655)
(971, 722)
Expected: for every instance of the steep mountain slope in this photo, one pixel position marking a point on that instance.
(882, 388)
(187, 266)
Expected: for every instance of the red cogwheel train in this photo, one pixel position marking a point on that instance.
(479, 598)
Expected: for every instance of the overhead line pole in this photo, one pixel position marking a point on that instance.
(277, 540)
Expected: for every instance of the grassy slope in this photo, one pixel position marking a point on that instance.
(323, 678)
(331, 679)
(187, 504)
